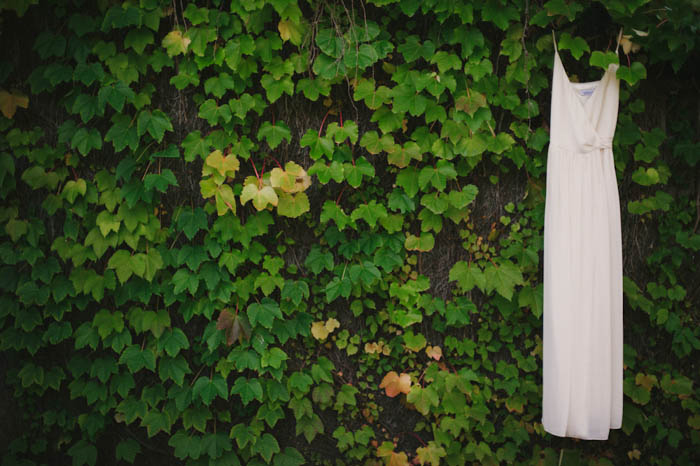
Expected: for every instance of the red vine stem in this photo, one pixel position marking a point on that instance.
(256, 170)
(322, 122)
(341, 193)
(415, 435)
(276, 161)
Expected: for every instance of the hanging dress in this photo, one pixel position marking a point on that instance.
(582, 307)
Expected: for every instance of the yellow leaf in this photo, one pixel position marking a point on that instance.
(224, 165)
(393, 383)
(319, 330)
(370, 348)
(628, 45)
(10, 102)
(332, 324)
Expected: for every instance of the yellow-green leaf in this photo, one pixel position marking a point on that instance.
(10, 102)
(175, 43)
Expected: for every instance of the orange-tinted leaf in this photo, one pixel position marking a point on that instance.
(434, 352)
(393, 383)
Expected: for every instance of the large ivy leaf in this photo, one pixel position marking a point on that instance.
(274, 134)
(468, 275)
(503, 278)
(264, 313)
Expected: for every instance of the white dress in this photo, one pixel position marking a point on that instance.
(582, 328)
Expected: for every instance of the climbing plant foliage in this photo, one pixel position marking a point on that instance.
(310, 232)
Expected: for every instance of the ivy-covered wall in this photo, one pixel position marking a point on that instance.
(310, 231)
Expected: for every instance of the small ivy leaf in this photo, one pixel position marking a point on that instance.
(264, 313)
(319, 330)
(338, 287)
(248, 390)
(312, 88)
(289, 457)
(290, 31)
(531, 297)
(632, 74)
(362, 57)
(493, 11)
(577, 45)
(85, 140)
(434, 352)
(401, 156)
(318, 145)
(370, 213)
(234, 327)
(156, 123)
(74, 188)
(83, 453)
(223, 165)
(261, 197)
(563, 7)
(329, 42)
(274, 134)
(293, 205)
(291, 180)
(471, 103)
(332, 211)
(175, 43)
(430, 454)
(603, 60)
(138, 39)
(393, 384)
(425, 242)
(274, 88)
(646, 176)
(115, 94)
(10, 102)
(414, 342)
(137, 359)
(339, 133)
(207, 389)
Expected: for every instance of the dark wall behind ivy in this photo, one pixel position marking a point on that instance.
(310, 232)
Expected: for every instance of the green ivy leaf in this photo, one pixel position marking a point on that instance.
(293, 205)
(264, 313)
(156, 123)
(468, 275)
(632, 74)
(265, 446)
(531, 297)
(83, 453)
(207, 389)
(85, 140)
(274, 134)
(137, 359)
(503, 278)
(175, 43)
(577, 45)
(247, 389)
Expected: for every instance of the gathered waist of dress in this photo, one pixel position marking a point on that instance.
(585, 148)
